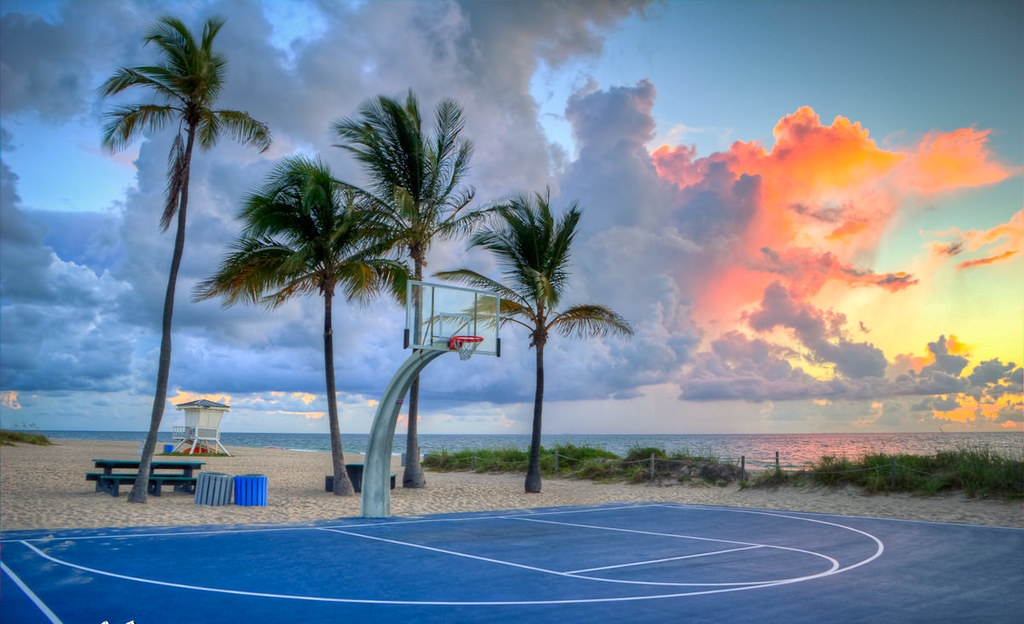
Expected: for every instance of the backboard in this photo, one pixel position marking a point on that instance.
(436, 313)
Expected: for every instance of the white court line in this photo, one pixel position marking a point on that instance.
(834, 565)
(36, 600)
(666, 559)
(637, 531)
(424, 603)
(445, 551)
(713, 588)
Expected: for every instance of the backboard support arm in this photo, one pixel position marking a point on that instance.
(376, 488)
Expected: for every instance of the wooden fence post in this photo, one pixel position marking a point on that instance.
(652, 466)
(743, 467)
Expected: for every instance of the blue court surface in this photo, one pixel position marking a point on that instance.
(646, 562)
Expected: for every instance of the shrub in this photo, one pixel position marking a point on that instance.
(645, 452)
(11, 438)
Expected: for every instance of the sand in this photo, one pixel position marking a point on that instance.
(45, 488)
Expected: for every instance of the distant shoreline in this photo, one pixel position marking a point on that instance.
(795, 450)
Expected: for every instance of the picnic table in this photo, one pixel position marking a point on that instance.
(117, 471)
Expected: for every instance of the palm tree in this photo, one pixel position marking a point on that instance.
(416, 191)
(304, 235)
(185, 86)
(533, 249)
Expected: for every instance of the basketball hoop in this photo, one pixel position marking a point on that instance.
(465, 345)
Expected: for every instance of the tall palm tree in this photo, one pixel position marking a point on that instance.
(417, 191)
(304, 235)
(533, 249)
(185, 86)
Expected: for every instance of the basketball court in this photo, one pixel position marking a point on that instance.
(613, 563)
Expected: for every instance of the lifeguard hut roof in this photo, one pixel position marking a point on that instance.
(203, 404)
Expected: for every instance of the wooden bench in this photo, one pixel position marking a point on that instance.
(111, 483)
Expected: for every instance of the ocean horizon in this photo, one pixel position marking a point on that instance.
(794, 449)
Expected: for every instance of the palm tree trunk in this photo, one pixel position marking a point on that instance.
(138, 493)
(413, 477)
(533, 472)
(342, 484)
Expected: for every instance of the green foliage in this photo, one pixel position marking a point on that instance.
(11, 438)
(603, 470)
(583, 453)
(483, 460)
(641, 453)
(775, 478)
(588, 463)
(978, 472)
(686, 455)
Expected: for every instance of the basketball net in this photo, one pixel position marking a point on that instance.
(465, 345)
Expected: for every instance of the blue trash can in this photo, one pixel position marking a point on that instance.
(168, 448)
(251, 490)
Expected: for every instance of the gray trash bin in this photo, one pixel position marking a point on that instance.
(213, 488)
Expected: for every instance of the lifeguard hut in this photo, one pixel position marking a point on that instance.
(202, 427)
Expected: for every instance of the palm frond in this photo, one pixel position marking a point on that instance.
(153, 77)
(247, 273)
(127, 122)
(590, 320)
(244, 128)
(417, 185)
(177, 177)
(304, 234)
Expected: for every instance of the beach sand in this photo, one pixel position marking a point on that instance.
(44, 487)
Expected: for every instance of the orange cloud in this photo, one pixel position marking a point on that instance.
(906, 362)
(9, 398)
(182, 396)
(970, 409)
(999, 243)
(846, 231)
(944, 162)
(833, 171)
(305, 397)
(809, 158)
(824, 196)
(955, 347)
(966, 264)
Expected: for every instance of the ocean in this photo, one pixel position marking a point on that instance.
(794, 449)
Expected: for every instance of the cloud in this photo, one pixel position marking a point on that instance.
(48, 69)
(821, 332)
(944, 162)
(749, 369)
(997, 244)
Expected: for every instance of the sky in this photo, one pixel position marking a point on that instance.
(811, 213)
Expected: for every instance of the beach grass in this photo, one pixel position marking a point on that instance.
(10, 438)
(591, 463)
(977, 472)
